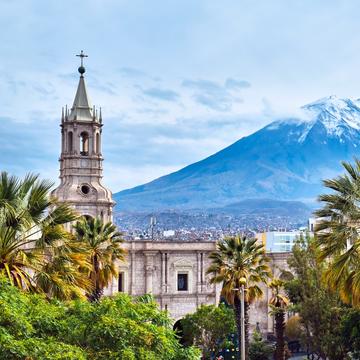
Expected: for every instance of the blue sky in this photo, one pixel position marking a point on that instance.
(177, 80)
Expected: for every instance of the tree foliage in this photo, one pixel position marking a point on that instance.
(350, 329)
(294, 328)
(34, 245)
(320, 309)
(32, 327)
(338, 233)
(102, 243)
(259, 350)
(209, 328)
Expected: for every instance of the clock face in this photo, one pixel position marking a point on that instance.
(84, 163)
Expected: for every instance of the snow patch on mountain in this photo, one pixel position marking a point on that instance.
(339, 117)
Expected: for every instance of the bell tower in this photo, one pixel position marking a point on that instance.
(81, 157)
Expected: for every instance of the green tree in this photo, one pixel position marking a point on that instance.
(320, 309)
(258, 349)
(34, 327)
(31, 227)
(208, 328)
(103, 244)
(238, 258)
(350, 329)
(338, 233)
(279, 303)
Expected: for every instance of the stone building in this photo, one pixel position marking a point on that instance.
(173, 271)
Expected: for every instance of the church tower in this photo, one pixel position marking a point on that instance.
(81, 158)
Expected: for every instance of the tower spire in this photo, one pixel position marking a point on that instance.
(81, 109)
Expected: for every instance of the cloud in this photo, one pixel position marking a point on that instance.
(132, 72)
(106, 87)
(231, 83)
(161, 94)
(152, 112)
(12, 85)
(214, 95)
(135, 175)
(34, 148)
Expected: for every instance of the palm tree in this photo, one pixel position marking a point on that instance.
(63, 272)
(103, 243)
(235, 259)
(279, 303)
(31, 224)
(337, 234)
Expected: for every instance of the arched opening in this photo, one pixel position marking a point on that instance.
(98, 143)
(84, 143)
(70, 141)
(88, 218)
(178, 328)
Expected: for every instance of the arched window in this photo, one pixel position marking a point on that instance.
(98, 143)
(84, 143)
(70, 141)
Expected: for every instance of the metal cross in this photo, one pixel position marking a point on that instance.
(81, 56)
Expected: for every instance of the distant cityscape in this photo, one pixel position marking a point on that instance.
(202, 226)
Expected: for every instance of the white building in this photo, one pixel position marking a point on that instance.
(279, 241)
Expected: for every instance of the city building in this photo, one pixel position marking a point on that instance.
(279, 241)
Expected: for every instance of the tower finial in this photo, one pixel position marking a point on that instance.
(81, 69)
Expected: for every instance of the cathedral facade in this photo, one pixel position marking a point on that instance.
(174, 272)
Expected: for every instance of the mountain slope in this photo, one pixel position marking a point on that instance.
(285, 160)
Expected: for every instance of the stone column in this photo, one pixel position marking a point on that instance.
(198, 270)
(149, 270)
(202, 275)
(167, 274)
(163, 271)
(132, 269)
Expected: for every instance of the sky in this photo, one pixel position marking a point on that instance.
(177, 80)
